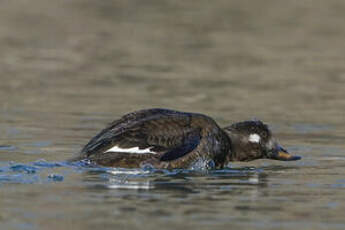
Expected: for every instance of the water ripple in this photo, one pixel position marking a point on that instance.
(42, 171)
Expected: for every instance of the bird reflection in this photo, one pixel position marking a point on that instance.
(183, 181)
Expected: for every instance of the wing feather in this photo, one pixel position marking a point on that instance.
(170, 133)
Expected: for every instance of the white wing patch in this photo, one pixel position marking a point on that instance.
(254, 138)
(129, 150)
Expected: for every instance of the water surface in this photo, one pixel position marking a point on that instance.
(68, 68)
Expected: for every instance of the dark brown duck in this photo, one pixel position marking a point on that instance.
(165, 138)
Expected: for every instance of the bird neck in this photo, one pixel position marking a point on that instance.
(234, 153)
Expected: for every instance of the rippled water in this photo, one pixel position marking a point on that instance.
(67, 68)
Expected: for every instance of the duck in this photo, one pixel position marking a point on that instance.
(169, 139)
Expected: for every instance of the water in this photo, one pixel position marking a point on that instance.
(67, 68)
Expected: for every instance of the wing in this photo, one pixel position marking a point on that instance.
(188, 145)
(170, 134)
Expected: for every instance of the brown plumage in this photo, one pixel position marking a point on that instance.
(166, 138)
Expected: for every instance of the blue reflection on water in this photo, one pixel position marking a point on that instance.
(41, 171)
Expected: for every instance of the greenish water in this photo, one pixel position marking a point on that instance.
(67, 68)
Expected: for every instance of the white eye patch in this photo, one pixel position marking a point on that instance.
(254, 138)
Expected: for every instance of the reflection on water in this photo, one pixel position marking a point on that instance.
(69, 67)
(175, 179)
(241, 194)
(119, 178)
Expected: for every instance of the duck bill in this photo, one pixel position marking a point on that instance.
(282, 155)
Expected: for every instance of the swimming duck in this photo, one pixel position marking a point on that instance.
(164, 138)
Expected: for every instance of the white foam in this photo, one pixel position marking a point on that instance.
(129, 150)
(255, 138)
